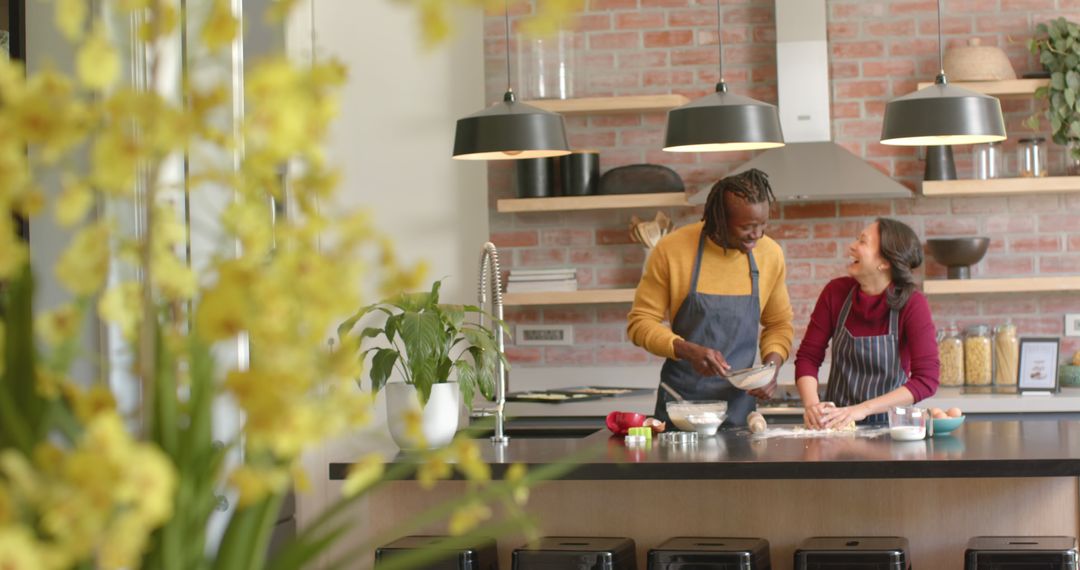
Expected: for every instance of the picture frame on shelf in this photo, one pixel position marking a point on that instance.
(1038, 364)
(1072, 324)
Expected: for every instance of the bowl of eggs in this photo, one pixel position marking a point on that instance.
(946, 421)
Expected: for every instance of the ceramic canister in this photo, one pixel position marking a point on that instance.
(537, 177)
(580, 172)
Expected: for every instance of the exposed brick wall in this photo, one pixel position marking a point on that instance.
(879, 49)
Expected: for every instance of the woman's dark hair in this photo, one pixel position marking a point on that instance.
(900, 246)
(751, 185)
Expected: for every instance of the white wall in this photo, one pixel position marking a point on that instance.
(393, 140)
(396, 129)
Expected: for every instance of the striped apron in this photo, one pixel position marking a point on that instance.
(728, 323)
(864, 367)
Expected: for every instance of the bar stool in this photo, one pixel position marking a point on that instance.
(480, 556)
(712, 553)
(577, 553)
(853, 552)
(1021, 552)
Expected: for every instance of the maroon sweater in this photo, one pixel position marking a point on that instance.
(869, 316)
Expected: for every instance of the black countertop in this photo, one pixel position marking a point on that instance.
(980, 448)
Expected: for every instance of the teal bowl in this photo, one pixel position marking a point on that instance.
(946, 425)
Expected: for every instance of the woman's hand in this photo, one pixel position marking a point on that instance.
(841, 417)
(813, 414)
(706, 361)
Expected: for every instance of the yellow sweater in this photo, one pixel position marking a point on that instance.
(666, 283)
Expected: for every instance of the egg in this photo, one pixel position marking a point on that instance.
(936, 412)
(954, 412)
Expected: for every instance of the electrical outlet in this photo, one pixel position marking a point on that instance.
(544, 335)
(1072, 324)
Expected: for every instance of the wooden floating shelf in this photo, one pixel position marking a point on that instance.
(587, 296)
(1001, 186)
(1011, 88)
(1008, 285)
(605, 202)
(620, 104)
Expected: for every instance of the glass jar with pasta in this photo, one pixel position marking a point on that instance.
(951, 355)
(978, 357)
(1006, 354)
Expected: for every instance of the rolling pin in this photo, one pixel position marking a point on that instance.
(756, 421)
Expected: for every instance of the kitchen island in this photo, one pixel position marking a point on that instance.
(989, 477)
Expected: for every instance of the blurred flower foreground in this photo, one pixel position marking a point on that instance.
(85, 484)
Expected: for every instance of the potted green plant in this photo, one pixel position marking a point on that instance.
(1057, 45)
(427, 344)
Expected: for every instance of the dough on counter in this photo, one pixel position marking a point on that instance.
(849, 427)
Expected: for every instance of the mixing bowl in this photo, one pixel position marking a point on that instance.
(958, 254)
(703, 417)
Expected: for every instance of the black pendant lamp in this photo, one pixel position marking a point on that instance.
(942, 114)
(722, 121)
(509, 129)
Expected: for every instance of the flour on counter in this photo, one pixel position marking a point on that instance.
(803, 432)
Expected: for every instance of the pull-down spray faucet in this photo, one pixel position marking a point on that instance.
(489, 277)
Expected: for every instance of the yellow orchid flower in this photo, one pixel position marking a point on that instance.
(221, 27)
(363, 474)
(467, 518)
(70, 16)
(121, 305)
(84, 265)
(254, 483)
(74, 201)
(59, 324)
(18, 549)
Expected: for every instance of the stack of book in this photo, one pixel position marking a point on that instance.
(533, 280)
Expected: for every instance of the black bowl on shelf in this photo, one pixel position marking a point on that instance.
(958, 254)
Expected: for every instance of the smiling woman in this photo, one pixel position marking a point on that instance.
(882, 333)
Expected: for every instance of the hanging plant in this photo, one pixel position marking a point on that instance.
(1057, 45)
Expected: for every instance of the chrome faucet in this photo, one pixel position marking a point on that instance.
(489, 277)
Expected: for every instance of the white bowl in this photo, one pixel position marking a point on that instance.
(678, 411)
(706, 423)
(754, 381)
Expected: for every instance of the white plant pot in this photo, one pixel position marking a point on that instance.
(439, 418)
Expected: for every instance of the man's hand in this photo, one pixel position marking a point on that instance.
(706, 361)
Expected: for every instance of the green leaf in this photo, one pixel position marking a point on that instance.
(371, 332)
(466, 376)
(1057, 81)
(1070, 97)
(392, 325)
(350, 322)
(453, 316)
(382, 364)
(1032, 122)
(22, 421)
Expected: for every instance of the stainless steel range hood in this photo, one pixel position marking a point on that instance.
(811, 166)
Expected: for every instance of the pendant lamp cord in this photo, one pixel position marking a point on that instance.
(721, 86)
(940, 79)
(509, 97)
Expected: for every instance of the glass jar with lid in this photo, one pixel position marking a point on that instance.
(978, 357)
(1031, 154)
(988, 160)
(951, 355)
(1006, 354)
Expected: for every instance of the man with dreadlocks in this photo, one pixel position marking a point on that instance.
(719, 282)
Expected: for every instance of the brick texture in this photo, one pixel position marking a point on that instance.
(878, 50)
